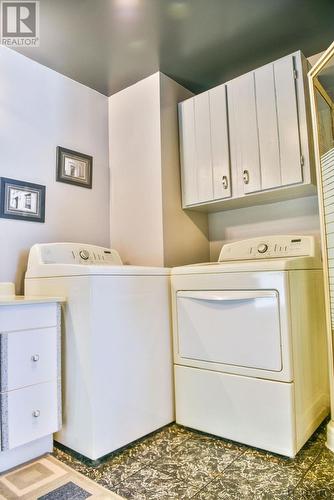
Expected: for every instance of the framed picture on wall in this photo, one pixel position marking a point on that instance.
(74, 168)
(22, 200)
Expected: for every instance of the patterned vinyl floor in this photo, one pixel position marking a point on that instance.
(177, 463)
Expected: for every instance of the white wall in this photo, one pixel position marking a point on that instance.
(135, 157)
(185, 232)
(39, 110)
(299, 216)
(148, 226)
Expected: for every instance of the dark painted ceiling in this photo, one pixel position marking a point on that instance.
(110, 44)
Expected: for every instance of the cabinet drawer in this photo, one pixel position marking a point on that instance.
(32, 414)
(27, 317)
(34, 352)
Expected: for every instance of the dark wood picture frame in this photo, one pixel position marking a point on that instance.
(74, 168)
(22, 200)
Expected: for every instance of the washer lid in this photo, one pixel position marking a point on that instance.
(76, 259)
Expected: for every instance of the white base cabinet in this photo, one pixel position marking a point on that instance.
(248, 141)
(30, 402)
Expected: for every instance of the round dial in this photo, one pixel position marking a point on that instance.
(262, 248)
(84, 254)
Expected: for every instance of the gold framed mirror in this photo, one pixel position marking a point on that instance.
(321, 82)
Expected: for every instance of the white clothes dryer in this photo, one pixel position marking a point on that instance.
(117, 352)
(250, 343)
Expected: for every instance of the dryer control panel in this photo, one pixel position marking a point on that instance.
(269, 247)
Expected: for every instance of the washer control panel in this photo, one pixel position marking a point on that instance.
(269, 247)
(74, 253)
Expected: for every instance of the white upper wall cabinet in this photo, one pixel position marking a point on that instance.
(203, 147)
(267, 127)
(220, 143)
(188, 154)
(248, 141)
(291, 160)
(242, 102)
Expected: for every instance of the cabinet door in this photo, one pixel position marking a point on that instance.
(287, 116)
(220, 143)
(267, 127)
(188, 152)
(203, 147)
(247, 141)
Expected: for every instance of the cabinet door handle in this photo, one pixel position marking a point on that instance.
(225, 181)
(35, 357)
(36, 413)
(246, 176)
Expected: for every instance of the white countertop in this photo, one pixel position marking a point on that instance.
(14, 300)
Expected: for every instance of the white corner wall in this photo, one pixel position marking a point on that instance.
(185, 232)
(147, 223)
(299, 216)
(135, 173)
(40, 110)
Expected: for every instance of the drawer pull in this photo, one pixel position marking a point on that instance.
(35, 358)
(246, 176)
(36, 413)
(225, 182)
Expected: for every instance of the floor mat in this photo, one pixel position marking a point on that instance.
(49, 479)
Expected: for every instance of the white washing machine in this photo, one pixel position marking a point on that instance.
(250, 343)
(117, 352)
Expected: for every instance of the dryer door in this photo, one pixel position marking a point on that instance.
(230, 327)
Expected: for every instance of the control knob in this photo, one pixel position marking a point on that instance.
(262, 248)
(84, 254)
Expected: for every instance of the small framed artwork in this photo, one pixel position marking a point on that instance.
(22, 200)
(74, 168)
